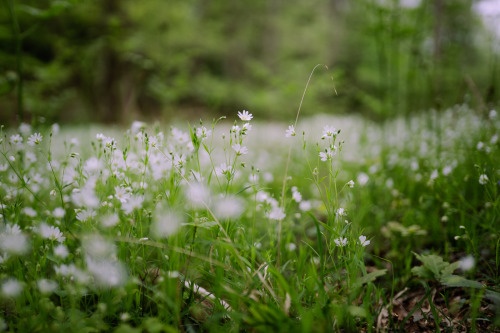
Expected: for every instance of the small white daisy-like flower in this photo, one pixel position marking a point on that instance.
(203, 133)
(276, 213)
(122, 194)
(61, 251)
(340, 212)
(329, 132)
(341, 241)
(35, 139)
(247, 127)
(350, 183)
(483, 179)
(59, 213)
(51, 232)
(245, 115)
(235, 129)
(328, 153)
(493, 114)
(16, 140)
(296, 196)
(363, 241)
(467, 263)
(290, 131)
(46, 286)
(11, 288)
(229, 208)
(239, 149)
(100, 137)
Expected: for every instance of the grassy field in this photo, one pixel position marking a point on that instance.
(335, 224)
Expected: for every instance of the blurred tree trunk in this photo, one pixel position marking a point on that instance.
(109, 99)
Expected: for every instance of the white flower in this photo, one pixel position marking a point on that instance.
(122, 194)
(363, 241)
(480, 145)
(245, 115)
(483, 179)
(328, 132)
(434, 175)
(165, 223)
(340, 241)
(203, 133)
(137, 126)
(61, 251)
(24, 128)
(340, 212)
(350, 183)
(100, 137)
(235, 129)
(276, 213)
(16, 140)
(247, 127)
(229, 208)
(46, 286)
(51, 232)
(59, 213)
(197, 194)
(29, 211)
(328, 153)
(363, 178)
(35, 139)
(291, 247)
(305, 205)
(447, 170)
(239, 149)
(107, 273)
(467, 263)
(493, 114)
(290, 131)
(11, 288)
(296, 195)
(110, 220)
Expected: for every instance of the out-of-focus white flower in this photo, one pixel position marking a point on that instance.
(109, 221)
(106, 272)
(467, 263)
(51, 232)
(434, 174)
(328, 153)
(203, 133)
(165, 223)
(137, 126)
(122, 194)
(24, 128)
(340, 212)
(447, 170)
(197, 194)
(291, 246)
(276, 213)
(59, 213)
(35, 139)
(11, 288)
(305, 206)
(13, 241)
(341, 241)
(245, 115)
(329, 132)
(229, 207)
(483, 179)
(16, 140)
(61, 251)
(290, 131)
(46, 286)
(239, 149)
(350, 183)
(363, 241)
(493, 114)
(362, 178)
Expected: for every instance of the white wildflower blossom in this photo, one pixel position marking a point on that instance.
(59, 213)
(51, 232)
(35, 139)
(11, 288)
(483, 179)
(229, 207)
(165, 223)
(363, 241)
(46, 286)
(329, 132)
(239, 149)
(122, 193)
(350, 183)
(328, 153)
(245, 115)
(276, 213)
(16, 140)
(341, 242)
(467, 263)
(61, 251)
(290, 131)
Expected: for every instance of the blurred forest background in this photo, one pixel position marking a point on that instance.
(113, 61)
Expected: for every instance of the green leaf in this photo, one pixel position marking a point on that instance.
(459, 281)
(433, 263)
(356, 311)
(370, 277)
